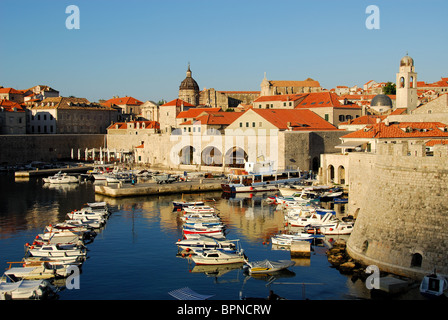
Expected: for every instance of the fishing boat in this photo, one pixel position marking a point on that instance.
(314, 218)
(199, 209)
(337, 228)
(57, 250)
(433, 285)
(289, 239)
(259, 176)
(61, 178)
(204, 217)
(182, 204)
(201, 243)
(215, 257)
(203, 231)
(26, 289)
(267, 266)
(41, 272)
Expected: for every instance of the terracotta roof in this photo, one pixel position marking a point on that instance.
(122, 101)
(399, 111)
(124, 125)
(401, 130)
(8, 105)
(299, 120)
(219, 118)
(367, 119)
(9, 90)
(195, 112)
(177, 103)
(281, 97)
(323, 100)
(433, 142)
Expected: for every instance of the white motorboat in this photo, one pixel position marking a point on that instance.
(201, 243)
(203, 217)
(56, 250)
(289, 239)
(26, 289)
(267, 266)
(314, 218)
(40, 272)
(182, 204)
(433, 285)
(214, 257)
(61, 178)
(86, 214)
(203, 231)
(199, 209)
(86, 222)
(336, 228)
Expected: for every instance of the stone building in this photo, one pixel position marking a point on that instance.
(275, 87)
(129, 108)
(69, 115)
(226, 99)
(12, 118)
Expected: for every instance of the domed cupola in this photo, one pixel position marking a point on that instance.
(189, 89)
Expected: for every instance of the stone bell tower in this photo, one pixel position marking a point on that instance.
(406, 85)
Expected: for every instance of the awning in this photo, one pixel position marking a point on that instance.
(350, 144)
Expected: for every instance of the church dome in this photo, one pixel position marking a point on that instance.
(189, 83)
(406, 61)
(381, 100)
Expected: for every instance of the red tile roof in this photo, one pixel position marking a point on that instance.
(400, 130)
(195, 112)
(219, 118)
(122, 101)
(367, 119)
(177, 103)
(322, 100)
(433, 142)
(124, 125)
(8, 105)
(299, 120)
(9, 90)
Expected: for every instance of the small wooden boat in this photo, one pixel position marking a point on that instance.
(201, 243)
(268, 266)
(26, 289)
(337, 228)
(199, 209)
(182, 204)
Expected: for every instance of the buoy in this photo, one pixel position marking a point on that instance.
(264, 243)
(27, 244)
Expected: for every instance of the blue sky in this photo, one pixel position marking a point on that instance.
(142, 48)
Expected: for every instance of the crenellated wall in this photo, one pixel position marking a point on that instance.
(400, 198)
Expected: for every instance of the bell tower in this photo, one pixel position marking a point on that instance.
(406, 85)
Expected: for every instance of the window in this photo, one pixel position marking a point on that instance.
(260, 124)
(241, 124)
(253, 124)
(247, 124)
(327, 117)
(341, 117)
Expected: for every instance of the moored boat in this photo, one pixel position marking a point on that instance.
(61, 178)
(215, 257)
(267, 266)
(26, 289)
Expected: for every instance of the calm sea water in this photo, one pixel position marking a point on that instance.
(135, 256)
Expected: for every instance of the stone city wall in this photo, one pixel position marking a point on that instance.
(399, 198)
(16, 149)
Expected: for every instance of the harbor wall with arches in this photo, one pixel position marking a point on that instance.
(399, 198)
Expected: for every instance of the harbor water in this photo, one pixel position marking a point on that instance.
(134, 257)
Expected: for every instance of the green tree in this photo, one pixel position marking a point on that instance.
(390, 88)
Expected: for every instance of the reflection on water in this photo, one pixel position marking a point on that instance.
(135, 256)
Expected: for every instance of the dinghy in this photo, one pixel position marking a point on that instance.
(267, 266)
(433, 285)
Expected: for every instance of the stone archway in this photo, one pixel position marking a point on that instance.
(330, 173)
(186, 155)
(341, 175)
(235, 157)
(211, 156)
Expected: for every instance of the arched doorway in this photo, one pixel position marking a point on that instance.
(330, 173)
(211, 156)
(235, 157)
(341, 175)
(186, 155)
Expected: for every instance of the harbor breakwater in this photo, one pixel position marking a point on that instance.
(398, 196)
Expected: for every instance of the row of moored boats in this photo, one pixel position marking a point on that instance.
(54, 255)
(205, 243)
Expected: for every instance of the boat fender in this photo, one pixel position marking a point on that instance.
(27, 244)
